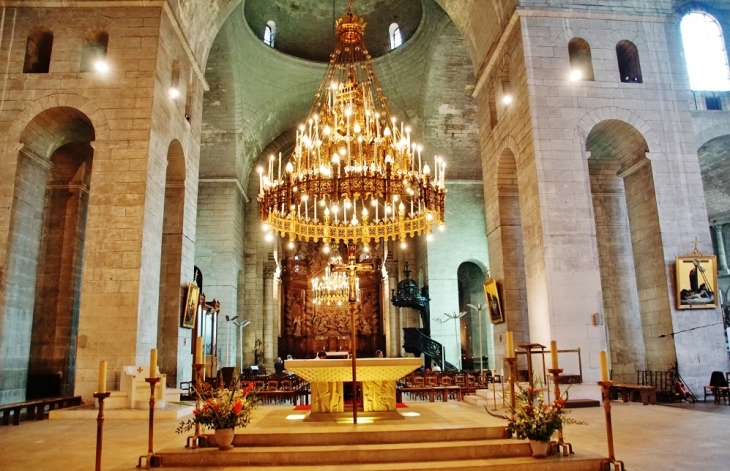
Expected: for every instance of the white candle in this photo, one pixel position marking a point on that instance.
(554, 354)
(153, 363)
(199, 350)
(604, 366)
(510, 345)
(102, 377)
(279, 165)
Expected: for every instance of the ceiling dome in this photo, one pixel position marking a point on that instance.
(305, 28)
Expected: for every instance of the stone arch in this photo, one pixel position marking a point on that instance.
(629, 242)
(588, 35)
(171, 266)
(714, 132)
(476, 332)
(86, 106)
(47, 231)
(593, 117)
(615, 36)
(505, 242)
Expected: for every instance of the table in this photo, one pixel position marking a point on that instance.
(378, 377)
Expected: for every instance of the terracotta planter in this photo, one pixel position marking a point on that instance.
(224, 438)
(539, 448)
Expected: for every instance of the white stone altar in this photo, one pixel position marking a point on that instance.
(378, 377)
(138, 390)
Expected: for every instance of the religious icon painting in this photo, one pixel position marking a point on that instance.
(696, 281)
(495, 307)
(191, 306)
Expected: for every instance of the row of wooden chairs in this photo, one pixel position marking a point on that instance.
(279, 389)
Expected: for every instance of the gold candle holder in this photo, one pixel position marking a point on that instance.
(512, 364)
(197, 439)
(153, 460)
(567, 448)
(100, 426)
(617, 465)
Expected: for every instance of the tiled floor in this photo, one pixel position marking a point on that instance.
(647, 438)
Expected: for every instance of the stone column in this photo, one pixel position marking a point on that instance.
(269, 313)
(721, 259)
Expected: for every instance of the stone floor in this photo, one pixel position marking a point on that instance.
(647, 438)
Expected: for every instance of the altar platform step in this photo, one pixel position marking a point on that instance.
(433, 436)
(89, 411)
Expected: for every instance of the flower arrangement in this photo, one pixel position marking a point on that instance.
(222, 408)
(533, 418)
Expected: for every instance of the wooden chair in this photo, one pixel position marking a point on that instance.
(718, 387)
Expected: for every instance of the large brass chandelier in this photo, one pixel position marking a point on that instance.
(354, 175)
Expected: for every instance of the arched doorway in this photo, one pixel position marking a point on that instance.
(46, 249)
(631, 260)
(171, 279)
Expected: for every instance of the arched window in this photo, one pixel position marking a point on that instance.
(580, 58)
(270, 33)
(628, 62)
(38, 51)
(94, 49)
(704, 51)
(395, 37)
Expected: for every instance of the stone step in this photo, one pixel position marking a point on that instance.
(341, 455)
(468, 456)
(364, 437)
(551, 463)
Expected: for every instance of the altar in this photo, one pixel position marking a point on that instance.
(377, 375)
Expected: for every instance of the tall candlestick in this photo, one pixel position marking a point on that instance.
(510, 345)
(604, 366)
(153, 363)
(102, 377)
(199, 350)
(554, 353)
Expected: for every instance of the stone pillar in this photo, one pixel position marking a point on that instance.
(721, 259)
(269, 313)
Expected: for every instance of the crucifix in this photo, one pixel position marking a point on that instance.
(352, 268)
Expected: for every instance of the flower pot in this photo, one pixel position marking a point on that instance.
(539, 448)
(224, 438)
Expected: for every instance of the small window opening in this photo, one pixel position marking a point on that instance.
(189, 101)
(704, 51)
(270, 33)
(581, 61)
(38, 51)
(96, 42)
(713, 103)
(628, 62)
(395, 37)
(492, 106)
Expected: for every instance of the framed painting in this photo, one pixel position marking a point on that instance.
(696, 281)
(495, 307)
(191, 306)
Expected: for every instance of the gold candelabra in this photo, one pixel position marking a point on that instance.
(612, 461)
(152, 459)
(100, 426)
(567, 448)
(195, 440)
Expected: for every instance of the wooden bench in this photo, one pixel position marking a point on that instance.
(629, 392)
(36, 409)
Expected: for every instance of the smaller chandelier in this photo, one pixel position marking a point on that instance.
(354, 175)
(333, 288)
